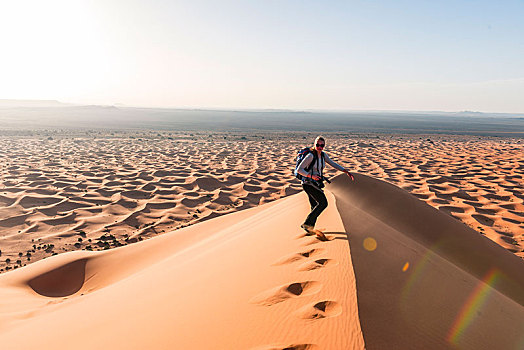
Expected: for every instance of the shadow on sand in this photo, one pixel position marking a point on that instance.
(425, 280)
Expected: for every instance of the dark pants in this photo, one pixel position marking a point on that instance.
(318, 202)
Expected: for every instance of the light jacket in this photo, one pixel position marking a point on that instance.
(318, 167)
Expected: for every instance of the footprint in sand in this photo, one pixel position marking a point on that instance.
(317, 264)
(279, 294)
(299, 256)
(323, 309)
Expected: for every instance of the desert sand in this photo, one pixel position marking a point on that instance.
(247, 280)
(425, 247)
(66, 194)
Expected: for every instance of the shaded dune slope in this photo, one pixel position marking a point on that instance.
(424, 279)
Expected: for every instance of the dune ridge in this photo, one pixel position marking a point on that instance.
(395, 273)
(247, 280)
(427, 281)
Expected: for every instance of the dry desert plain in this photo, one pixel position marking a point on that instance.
(98, 191)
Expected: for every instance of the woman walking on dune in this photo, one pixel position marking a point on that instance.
(310, 171)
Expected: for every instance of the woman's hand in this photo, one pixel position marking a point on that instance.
(349, 174)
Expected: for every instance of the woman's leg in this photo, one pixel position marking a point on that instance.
(320, 202)
(312, 200)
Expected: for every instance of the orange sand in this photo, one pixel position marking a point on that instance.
(411, 277)
(246, 280)
(69, 194)
(252, 280)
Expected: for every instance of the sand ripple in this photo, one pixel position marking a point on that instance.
(70, 194)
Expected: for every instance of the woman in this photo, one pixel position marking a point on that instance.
(312, 180)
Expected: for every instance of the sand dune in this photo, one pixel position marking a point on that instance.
(219, 260)
(425, 280)
(70, 193)
(475, 180)
(56, 193)
(411, 277)
(247, 280)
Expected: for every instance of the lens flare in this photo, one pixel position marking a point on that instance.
(406, 267)
(417, 272)
(370, 244)
(476, 300)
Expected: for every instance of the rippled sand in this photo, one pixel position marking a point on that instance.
(74, 193)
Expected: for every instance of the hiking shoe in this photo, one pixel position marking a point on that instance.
(307, 228)
(321, 236)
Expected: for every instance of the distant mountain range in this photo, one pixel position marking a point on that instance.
(14, 103)
(50, 114)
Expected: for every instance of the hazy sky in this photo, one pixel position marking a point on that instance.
(305, 54)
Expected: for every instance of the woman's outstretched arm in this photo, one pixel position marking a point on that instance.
(337, 166)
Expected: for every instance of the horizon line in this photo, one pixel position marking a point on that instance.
(247, 109)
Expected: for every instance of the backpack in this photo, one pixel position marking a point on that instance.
(300, 157)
